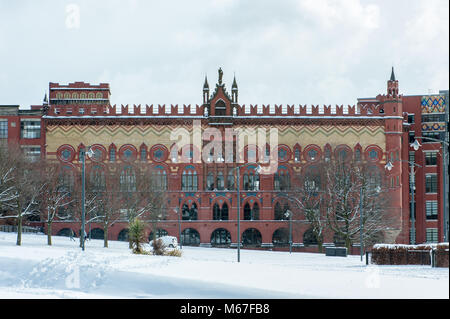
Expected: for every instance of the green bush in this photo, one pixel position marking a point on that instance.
(136, 235)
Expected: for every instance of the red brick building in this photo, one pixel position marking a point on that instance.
(204, 190)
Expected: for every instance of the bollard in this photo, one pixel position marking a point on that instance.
(367, 257)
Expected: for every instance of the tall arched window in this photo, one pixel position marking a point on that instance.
(210, 181)
(66, 179)
(159, 178)
(281, 179)
(280, 211)
(230, 180)
(189, 179)
(220, 213)
(189, 213)
(127, 179)
(220, 181)
(220, 108)
(220, 237)
(251, 180)
(97, 179)
(251, 213)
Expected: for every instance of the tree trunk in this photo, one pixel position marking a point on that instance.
(19, 231)
(49, 233)
(105, 236)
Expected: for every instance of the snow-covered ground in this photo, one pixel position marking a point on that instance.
(35, 270)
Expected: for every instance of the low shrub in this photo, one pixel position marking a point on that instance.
(158, 247)
(401, 254)
(174, 252)
(442, 255)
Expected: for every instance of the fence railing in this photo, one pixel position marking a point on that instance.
(25, 229)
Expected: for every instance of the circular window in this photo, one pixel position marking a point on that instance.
(373, 153)
(284, 153)
(128, 153)
(312, 153)
(99, 153)
(65, 153)
(159, 153)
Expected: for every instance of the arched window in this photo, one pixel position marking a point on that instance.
(82, 95)
(280, 211)
(311, 179)
(91, 95)
(74, 96)
(97, 179)
(230, 180)
(189, 213)
(251, 213)
(281, 179)
(280, 237)
(210, 181)
(190, 237)
(220, 237)
(251, 237)
(96, 233)
(220, 181)
(189, 179)
(251, 180)
(220, 213)
(112, 154)
(220, 108)
(123, 235)
(99, 95)
(309, 238)
(66, 179)
(159, 178)
(297, 154)
(127, 179)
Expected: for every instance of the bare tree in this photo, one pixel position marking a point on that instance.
(26, 187)
(55, 196)
(345, 182)
(309, 197)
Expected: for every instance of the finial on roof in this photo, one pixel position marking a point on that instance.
(234, 86)
(45, 99)
(392, 75)
(206, 86)
(220, 76)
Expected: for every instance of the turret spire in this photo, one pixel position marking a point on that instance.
(392, 74)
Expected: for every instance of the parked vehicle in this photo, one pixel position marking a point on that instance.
(168, 241)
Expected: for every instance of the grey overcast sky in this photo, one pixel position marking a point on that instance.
(282, 52)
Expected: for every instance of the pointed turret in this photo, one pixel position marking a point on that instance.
(45, 99)
(205, 91)
(392, 74)
(234, 90)
(392, 85)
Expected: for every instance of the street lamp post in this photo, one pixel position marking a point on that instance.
(389, 167)
(239, 206)
(83, 200)
(361, 243)
(445, 145)
(288, 214)
(177, 211)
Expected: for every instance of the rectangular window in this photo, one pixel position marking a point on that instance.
(412, 156)
(4, 129)
(410, 118)
(32, 154)
(432, 235)
(112, 155)
(431, 207)
(30, 129)
(434, 135)
(431, 183)
(433, 117)
(412, 137)
(430, 158)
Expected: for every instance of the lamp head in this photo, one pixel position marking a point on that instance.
(389, 166)
(415, 145)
